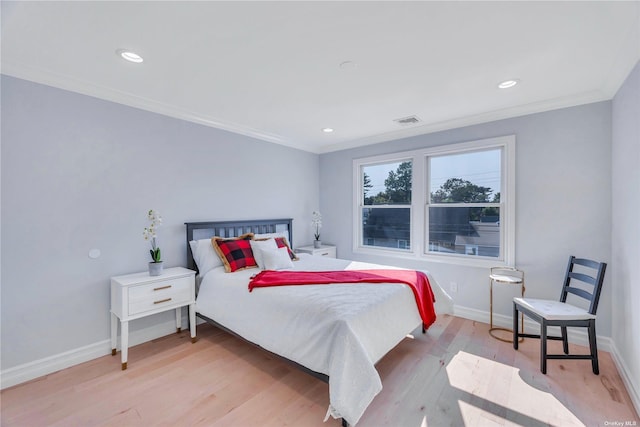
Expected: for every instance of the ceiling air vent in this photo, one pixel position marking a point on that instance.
(407, 121)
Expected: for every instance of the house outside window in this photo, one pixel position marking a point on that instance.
(452, 203)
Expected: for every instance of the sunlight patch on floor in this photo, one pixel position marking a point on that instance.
(496, 393)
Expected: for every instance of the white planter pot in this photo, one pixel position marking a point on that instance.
(155, 268)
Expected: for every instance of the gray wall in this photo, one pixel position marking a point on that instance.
(80, 173)
(563, 197)
(625, 251)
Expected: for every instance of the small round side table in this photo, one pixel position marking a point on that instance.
(507, 276)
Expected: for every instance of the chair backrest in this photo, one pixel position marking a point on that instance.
(593, 278)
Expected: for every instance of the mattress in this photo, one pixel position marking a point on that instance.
(340, 330)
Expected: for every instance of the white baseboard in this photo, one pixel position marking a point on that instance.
(634, 393)
(576, 335)
(37, 368)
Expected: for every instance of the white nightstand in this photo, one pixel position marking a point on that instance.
(324, 250)
(138, 295)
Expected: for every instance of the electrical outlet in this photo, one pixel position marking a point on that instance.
(453, 286)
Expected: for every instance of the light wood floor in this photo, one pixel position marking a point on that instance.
(455, 375)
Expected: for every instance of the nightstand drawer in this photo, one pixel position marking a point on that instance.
(328, 251)
(153, 296)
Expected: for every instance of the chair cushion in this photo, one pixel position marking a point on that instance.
(554, 310)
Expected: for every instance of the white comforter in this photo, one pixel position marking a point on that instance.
(340, 330)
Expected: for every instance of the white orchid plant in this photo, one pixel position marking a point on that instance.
(150, 233)
(316, 222)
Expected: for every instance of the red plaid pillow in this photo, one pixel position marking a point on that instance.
(282, 243)
(235, 253)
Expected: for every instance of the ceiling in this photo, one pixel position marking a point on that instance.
(283, 71)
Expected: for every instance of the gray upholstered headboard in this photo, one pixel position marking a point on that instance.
(208, 229)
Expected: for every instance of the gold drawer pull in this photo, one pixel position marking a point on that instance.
(162, 287)
(162, 300)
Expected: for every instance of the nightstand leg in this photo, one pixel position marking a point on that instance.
(192, 322)
(178, 320)
(114, 334)
(124, 343)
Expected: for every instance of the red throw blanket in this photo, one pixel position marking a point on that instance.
(416, 280)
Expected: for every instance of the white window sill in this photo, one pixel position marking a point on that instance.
(441, 259)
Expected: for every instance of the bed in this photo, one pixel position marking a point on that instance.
(336, 333)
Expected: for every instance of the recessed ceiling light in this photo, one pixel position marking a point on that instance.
(327, 130)
(129, 56)
(508, 83)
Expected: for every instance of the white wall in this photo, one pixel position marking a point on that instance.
(625, 230)
(80, 173)
(563, 197)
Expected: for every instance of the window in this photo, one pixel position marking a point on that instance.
(385, 191)
(453, 203)
(463, 206)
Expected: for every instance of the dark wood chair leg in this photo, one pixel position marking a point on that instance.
(565, 341)
(515, 326)
(543, 347)
(593, 347)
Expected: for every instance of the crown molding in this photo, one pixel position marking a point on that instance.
(64, 82)
(491, 116)
(82, 87)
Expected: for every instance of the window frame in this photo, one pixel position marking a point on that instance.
(420, 202)
(359, 178)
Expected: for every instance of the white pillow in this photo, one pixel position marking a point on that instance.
(277, 260)
(204, 255)
(284, 235)
(259, 247)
